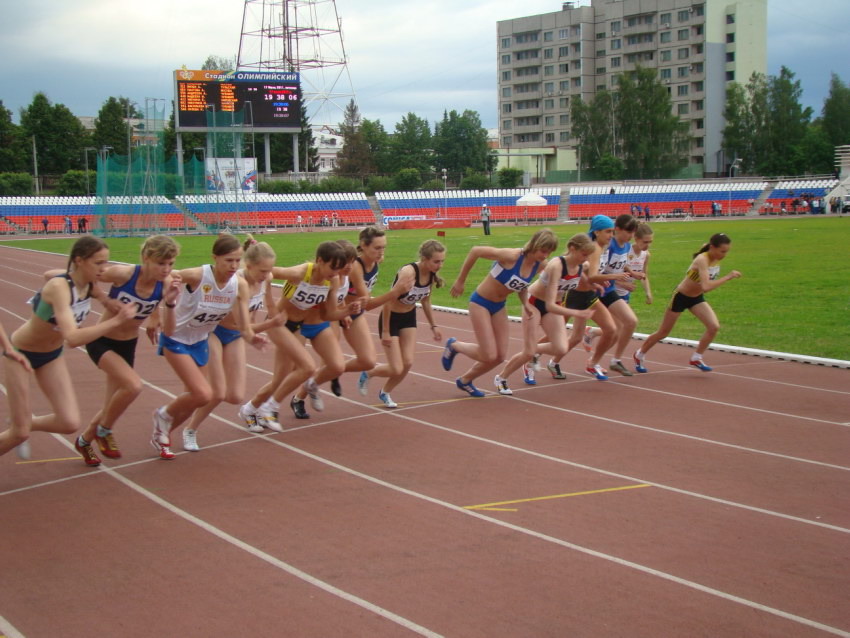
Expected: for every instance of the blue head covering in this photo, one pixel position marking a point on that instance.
(600, 222)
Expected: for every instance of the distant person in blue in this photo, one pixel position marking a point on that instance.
(45, 222)
(646, 214)
(485, 218)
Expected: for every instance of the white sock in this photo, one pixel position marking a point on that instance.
(696, 357)
(249, 408)
(639, 355)
(615, 361)
(270, 406)
(164, 415)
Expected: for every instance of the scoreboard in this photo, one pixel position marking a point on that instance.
(265, 101)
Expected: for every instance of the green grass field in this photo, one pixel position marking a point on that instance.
(794, 295)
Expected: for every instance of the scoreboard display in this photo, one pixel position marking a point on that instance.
(265, 101)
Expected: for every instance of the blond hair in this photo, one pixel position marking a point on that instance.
(544, 239)
(160, 247)
(427, 249)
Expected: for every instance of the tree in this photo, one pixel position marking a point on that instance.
(218, 63)
(59, 135)
(654, 140)
(13, 155)
(378, 140)
(355, 158)
(410, 145)
(594, 125)
(510, 177)
(787, 123)
(111, 127)
(460, 145)
(737, 136)
(407, 179)
(836, 113)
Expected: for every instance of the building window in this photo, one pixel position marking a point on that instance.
(698, 67)
(730, 76)
(523, 38)
(682, 89)
(615, 62)
(682, 109)
(576, 65)
(699, 86)
(564, 85)
(563, 102)
(564, 68)
(683, 54)
(549, 87)
(506, 140)
(549, 120)
(683, 34)
(730, 38)
(616, 44)
(699, 105)
(700, 124)
(506, 125)
(730, 18)
(506, 108)
(698, 49)
(665, 36)
(683, 71)
(600, 36)
(506, 43)
(615, 27)
(576, 82)
(550, 137)
(666, 19)
(666, 74)
(549, 104)
(563, 52)
(548, 54)
(698, 30)
(730, 56)
(699, 9)
(684, 16)
(528, 137)
(506, 59)
(506, 76)
(565, 119)
(600, 70)
(548, 36)
(563, 34)
(698, 142)
(565, 136)
(506, 91)
(666, 55)
(549, 70)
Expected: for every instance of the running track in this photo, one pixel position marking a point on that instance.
(674, 503)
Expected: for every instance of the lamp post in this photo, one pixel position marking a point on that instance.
(86, 158)
(736, 163)
(445, 194)
(204, 165)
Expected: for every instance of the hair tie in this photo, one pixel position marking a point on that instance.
(253, 241)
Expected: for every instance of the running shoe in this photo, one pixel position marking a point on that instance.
(699, 363)
(161, 428)
(250, 419)
(24, 451)
(617, 366)
(108, 446)
(336, 388)
(269, 419)
(190, 440)
(528, 374)
(502, 386)
(363, 383)
(639, 367)
(163, 449)
(470, 389)
(298, 408)
(535, 362)
(87, 452)
(555, 370)
(449, 354)
(312, 389)
(597, 371)
(387, 400)
(587, 339)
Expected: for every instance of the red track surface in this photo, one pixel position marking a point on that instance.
(674, 503)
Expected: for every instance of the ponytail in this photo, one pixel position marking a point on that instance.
(716, 240)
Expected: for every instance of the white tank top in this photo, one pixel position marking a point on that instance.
(198, 312)
(636, 263)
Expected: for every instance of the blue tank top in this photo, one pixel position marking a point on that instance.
(614, 261)
(511, 278)
(126, 293)
(369, 278)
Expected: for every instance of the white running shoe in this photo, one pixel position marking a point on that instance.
(190, 440)
(535, 363)
(161, 428)
(587, 339)
(387, 399)
(502, 386)
(24, 451)
(248, 414)
(268, 418)
(312, 389)
(363, 383)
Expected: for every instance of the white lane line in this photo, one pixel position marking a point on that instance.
(8, 630)
(260, 554)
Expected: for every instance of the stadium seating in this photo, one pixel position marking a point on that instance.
(788, 192)
(664, 199)
(466, 205)
(270, 210)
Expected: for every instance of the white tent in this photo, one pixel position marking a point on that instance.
(531, 199)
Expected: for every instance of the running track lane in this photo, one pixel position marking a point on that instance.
(725, 510)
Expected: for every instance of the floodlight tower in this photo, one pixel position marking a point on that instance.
(304, 36)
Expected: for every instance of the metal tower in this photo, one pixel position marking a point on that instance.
(303, 36)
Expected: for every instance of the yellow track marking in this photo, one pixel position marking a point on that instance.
(67, 458)
(494, 507)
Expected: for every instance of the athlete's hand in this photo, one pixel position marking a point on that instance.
(457, 288)
(126, 312)
(153, 334)
(17, 357)
(648, 299)
(734, 274)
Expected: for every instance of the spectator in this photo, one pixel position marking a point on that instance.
(69, 227)
(45, 222)
(485, 218)
(646, 214)
(82, 225)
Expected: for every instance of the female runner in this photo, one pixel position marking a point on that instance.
(58, 310)
(143, 286)
(210, 293)
(701, 277)
(512, 271)
(397, 322)
(546, 296)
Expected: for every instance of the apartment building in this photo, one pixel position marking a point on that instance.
(547, 61)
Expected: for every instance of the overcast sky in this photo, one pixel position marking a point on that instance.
(440, 55)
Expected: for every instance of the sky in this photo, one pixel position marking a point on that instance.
(438, 57)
